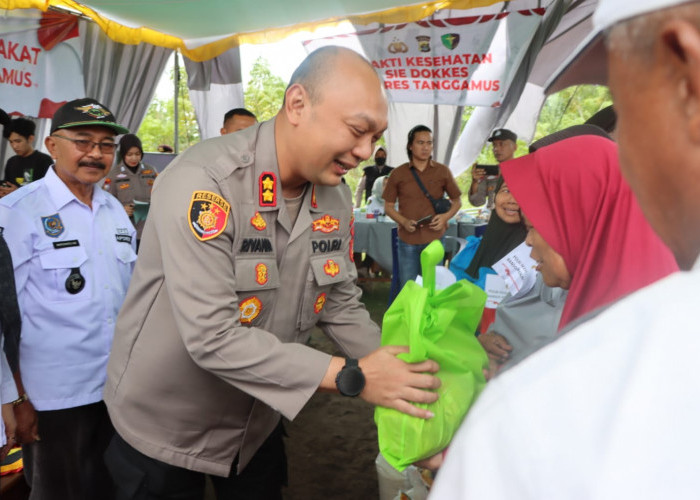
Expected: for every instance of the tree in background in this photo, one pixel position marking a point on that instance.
(571, 106)
(265, 91)
(158, 124)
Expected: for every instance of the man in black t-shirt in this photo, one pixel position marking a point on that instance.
(28, 164)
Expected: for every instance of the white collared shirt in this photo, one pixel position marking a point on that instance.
(66, 337)
(608, 411)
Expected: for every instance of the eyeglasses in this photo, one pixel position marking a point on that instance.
(86, 146)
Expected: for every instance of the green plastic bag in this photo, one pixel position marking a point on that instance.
(438, 326)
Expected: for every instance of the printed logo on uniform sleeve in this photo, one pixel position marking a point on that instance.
(313, 197)
(331, 268)
(267, 189)
(326, 224)
(53, 226)
(320, 302)
(258, 222)
(261, 275)
(250, 309)
(208, 214)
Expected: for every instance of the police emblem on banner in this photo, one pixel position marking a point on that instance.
(250, 309)
(208, 214)
(326, 224)
(267, 189)
(53, 226)
(450, 40)
(331, 268)
(320, 302)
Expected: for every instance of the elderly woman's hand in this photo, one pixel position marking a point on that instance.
(496, 346)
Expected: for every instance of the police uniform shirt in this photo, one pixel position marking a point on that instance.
(128, 186)
(210, 347)
(72, 268)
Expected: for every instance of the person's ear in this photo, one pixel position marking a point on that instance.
(50, 143)
(223, 131)
(680, 44)
(295, 103)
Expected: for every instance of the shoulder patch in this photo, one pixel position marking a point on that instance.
(267, 189)
(208, 215)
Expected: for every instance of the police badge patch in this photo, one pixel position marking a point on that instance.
(208, 215)
(53, 226)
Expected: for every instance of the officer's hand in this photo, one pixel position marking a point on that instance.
(478, 173)
(129, 207)
(396, 384)
(27, 430)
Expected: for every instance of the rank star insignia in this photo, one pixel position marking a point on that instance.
(326, 224)
(208, 215)
(258, 222)
(331, 268)
(250, 309)
(261, 274)
(267, 189)
(320, 302)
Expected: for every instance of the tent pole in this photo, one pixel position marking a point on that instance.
(176, 131)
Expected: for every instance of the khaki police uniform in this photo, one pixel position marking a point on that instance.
(128, 186)
(209, 346)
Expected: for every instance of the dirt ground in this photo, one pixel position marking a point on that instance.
(331, 447)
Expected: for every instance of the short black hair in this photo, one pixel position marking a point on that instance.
(412, 134)
(20, 126)
(238, 111)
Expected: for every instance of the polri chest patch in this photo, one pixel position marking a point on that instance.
(208, 215)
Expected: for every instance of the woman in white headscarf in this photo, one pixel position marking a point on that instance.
(375, 203)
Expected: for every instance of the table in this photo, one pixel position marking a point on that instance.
(373, 237)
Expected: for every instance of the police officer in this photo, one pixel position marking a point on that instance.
(131, 180)
(72, 247)
(248, 246)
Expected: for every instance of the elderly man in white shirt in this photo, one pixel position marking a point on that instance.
(73, 251)
(611, 410)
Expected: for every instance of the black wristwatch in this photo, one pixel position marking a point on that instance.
(350, 380)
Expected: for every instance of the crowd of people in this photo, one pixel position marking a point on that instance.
(136, 376)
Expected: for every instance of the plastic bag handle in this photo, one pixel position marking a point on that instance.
(430, 257)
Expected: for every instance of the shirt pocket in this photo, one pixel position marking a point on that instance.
(57, 266)
(325, 271)
(256, 280)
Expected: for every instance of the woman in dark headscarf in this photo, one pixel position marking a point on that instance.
(504, 232)
(131, 180)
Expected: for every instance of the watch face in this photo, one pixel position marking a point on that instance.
(350, 381)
